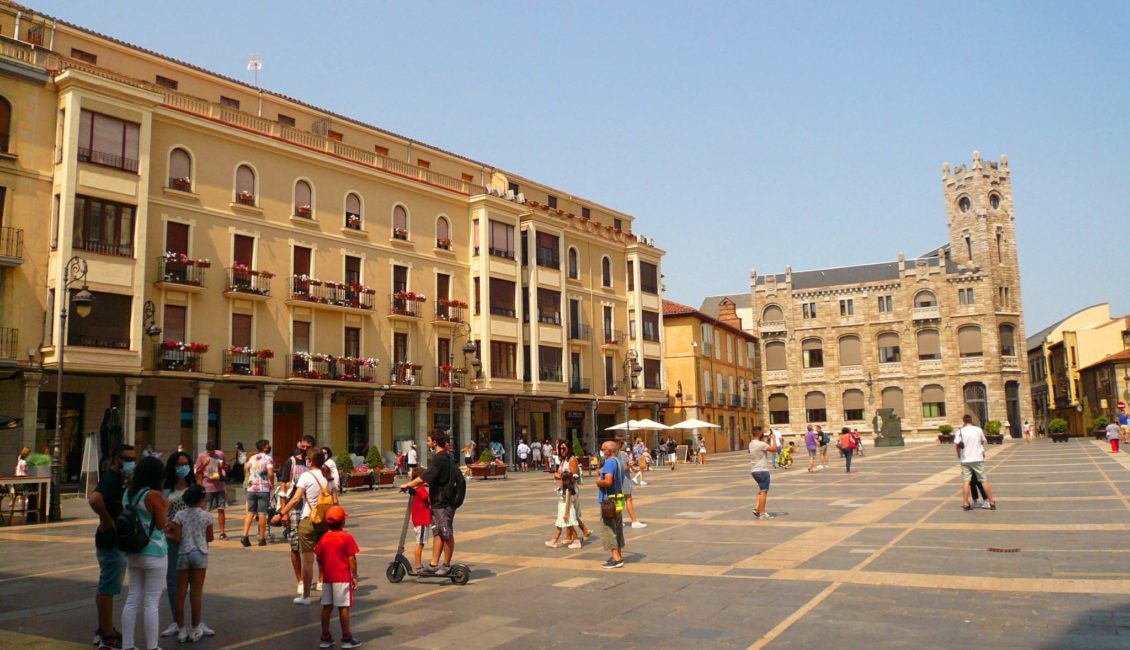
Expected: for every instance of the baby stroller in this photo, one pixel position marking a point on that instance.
(277, 501)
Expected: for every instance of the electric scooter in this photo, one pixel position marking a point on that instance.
(400, 566)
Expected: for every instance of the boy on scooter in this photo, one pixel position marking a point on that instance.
(438, 476)
(421, 517)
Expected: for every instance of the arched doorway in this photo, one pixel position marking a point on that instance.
(1012, 407)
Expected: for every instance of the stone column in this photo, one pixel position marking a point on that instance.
(200, 414)
(31, 409)
(375, 419)
(508, 428)
(322, 414)
(129, 409)
(422, 428)
(555, 417)
(592, 437)
(465, 425)
(267, 412)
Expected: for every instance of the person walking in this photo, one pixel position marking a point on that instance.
(1114, 435)
(523, 455)
(413, 457)
(21, 461)
(237, 471)
(628, 468)
(260, 483)
(566, 513)
(811, 443)
(294, 467)
(671, 447)
(610, 484)
(970, 445)
(210, 471)
(1027, 432)
(759, 452)
(700, 444)
(570, 462)
(106, 502)
(178, 478)
(535, 454)
(307, 490)
(823, 438)
(192, 530)
(847, 447)
(146, 566)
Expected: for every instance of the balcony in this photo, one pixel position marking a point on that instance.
(352, 221)
(972, 364)
(183, 184)
(580, 332)
(9, 346)
(502, 252)
(929, 366)
(580, 385)
(245, 198)
(851, 372)
(245, 361)
(549, 317)
(926, 312)
(400, 234)
(777, 376)
(613, 337)
(1010, 364)
(893, 369)
(248, 282)
(772, 327)
(449, 311)
(303, 212)
(550, 374)
(331, 294)
(11, 246)
(812, 374)
(405, 304)
(448, 376)
(175, 269)
(178, 356)
(404, 373)
(104, 159)
(313, 365)
(443, 244)
(356, 369)
(734, 401)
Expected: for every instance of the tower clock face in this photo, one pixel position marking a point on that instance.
(963, 204)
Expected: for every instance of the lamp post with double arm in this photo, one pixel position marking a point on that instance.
(470, 362)
(73, 272)
(632, 370)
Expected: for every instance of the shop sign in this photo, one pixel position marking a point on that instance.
(574, 415)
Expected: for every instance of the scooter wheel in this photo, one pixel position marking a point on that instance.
(460, 574)
(395, 572)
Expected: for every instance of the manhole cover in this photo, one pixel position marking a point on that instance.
(993, 549)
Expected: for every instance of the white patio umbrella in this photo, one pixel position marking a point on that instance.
(694, 424)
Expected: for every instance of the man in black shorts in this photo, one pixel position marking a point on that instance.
(438, 476)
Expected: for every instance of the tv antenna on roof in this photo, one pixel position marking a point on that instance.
(255, 64)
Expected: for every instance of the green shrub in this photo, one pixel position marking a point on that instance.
(993, 427)
(1100, 422)
(945, 429)
(374, 459)
(38, 459)
(487, 455)
(1058, 425)
(344, 465)
(578, 450)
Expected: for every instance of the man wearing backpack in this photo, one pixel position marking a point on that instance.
(824, 440)
(444, 490)
(106, 502)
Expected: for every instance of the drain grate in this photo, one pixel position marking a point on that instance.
(994, 549)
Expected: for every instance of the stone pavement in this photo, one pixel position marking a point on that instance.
(883, 557)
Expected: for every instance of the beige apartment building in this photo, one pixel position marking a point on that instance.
(308, 273)
(933, 337)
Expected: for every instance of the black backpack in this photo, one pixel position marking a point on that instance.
(456, 489)
(130, 534)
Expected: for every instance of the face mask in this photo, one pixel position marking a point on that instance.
(182, 471)
(128, 467)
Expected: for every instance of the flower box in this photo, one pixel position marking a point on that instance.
(245, 198)
(181, 184)
(386, 477)
(488, 470)
(303, 211)
(359, 479)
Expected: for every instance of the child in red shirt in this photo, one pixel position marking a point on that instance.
(337, 559)
(421, 517)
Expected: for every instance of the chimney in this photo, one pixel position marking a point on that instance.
(728, 313)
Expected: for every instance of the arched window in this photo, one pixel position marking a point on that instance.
(889, 348)
(815, 407)
(443, 233)
(925, 299)
(1008, 340)
(929, 345)
(969, 341)
(775, 356)
(400, 223)
(976, 402)
(574, 264)
(853, 405)
(180, 170)
(892, 399)
(933, 401)
(850, 351)
(303, 200)
(5, 125)
(772, 313)
(605, 272)
(778, 408)
(245, 185)
(812, 353)
(353, 211)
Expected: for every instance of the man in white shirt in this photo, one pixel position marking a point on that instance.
(970, 445)
(523, 455)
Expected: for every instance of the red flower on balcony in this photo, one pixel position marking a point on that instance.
(266, 353)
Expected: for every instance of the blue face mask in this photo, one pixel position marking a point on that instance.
(183, 470)
(128, 467)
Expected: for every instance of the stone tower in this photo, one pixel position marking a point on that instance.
(981, 224)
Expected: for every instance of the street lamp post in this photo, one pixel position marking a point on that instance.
(469, 350)
(632, 370)
(73, 272)
(152, 329)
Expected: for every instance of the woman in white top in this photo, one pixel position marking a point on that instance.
(306, 492)
(21, 462)
(336, 477)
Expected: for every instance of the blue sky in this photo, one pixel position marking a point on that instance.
(740, 135)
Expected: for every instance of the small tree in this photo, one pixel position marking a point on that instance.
(1100, 422)
(945, 429)
(487, 455)
(1058, 425)
(578, 450)
(993, 427)
(345, 464)
(374, 459)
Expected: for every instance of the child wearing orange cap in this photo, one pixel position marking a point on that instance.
(337, 558)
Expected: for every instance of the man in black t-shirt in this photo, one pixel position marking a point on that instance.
(438, 476)
(106, 502)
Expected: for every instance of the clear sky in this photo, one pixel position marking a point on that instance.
(741, 135)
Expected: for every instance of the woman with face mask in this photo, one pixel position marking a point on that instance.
(178, 476)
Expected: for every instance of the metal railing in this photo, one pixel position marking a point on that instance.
(244, 280)
(11, 242)
(355, 296)
(107, 159)
(449, 313)
(496, 310)
(177, 359)
(579, 332)
(508, 253)
(553, 318)
(189, 273)
(548, 258)
(613, 337)
(253, 363)
(580, 385)
(550, 374)
(9, 343)
(103, 247)
(403, 306)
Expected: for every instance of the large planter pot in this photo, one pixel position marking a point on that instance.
(40, 471)
(945, 438)
(1060, 437)
(386, 478)
(359, 480)
(995, 439)
(488, 470)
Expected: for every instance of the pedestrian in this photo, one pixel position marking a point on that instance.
(332, 466)
(237, 470)
(178, 478)
(413, 457)
(106, 502)
(628, 468)
(468, 449)
(1113, 434)
(847, 447)
(778, 442)
(824, 439)
(523, 455)
(535, 454)
(700, 443)
(146, 566)
(21, 461)
(785, 456)
(309, 490)
(671, 446)
(192, 530)
(211, 468)
(421, 518)
(337, 556)
(437, 477)
(569, 461)
(260, 483)
(970, 444)
(643, 461)
(1027, 432)
(610, 484)
(566, 513)
(976, 489)
(759, 468)
(858, 440)
(294, 467)
(812, 444)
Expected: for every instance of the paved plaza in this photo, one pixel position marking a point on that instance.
(883, 557)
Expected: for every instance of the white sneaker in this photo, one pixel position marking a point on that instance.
(182, 635)
(317, 587)
(985, 505)
(205, 630)
(575, 544)
(638, 524)
(552, 544)
(643, 482)
(171, 630)
(196, 634)
(301, 600)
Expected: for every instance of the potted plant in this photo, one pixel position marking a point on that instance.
(945, 434)
(39, 465)
(1057, 428)
(993, 432)
(1098, 425)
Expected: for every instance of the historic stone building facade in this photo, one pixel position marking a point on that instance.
(933, 337)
